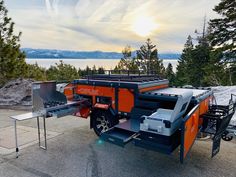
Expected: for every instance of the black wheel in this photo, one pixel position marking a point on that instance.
(226, 137)
(102, 120)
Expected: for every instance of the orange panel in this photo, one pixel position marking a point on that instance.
(83, 112)
(68, 91)
(204, 106)
(97, 91)
(153, 88)
(126, 100)
(191, 131)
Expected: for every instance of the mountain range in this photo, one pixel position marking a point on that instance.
(52, 53)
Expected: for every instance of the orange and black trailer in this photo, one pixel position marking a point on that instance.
(143, 109)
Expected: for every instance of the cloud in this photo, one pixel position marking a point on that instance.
(106, 24)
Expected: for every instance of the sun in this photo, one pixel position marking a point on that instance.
(144, 26)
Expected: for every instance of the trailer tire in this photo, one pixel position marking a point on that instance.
(102, 120)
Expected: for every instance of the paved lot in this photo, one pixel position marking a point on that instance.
(77, 151)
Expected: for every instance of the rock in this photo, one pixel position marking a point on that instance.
(16, 92)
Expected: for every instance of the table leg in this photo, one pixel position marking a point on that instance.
(16, 140)
(38, 131)
(45, 133)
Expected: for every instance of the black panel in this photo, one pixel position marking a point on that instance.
(137, 113)
(216, 145)
(160, 143)
(103, 100)
(161, 139)
(118, 136)
(147, 104)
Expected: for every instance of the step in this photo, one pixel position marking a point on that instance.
(153, 144)
(118, 136)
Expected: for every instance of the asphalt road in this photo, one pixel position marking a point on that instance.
(79, 152)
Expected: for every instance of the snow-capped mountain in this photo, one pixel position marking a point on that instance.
(48, 53)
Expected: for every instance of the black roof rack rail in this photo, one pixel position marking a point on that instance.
(122, 75)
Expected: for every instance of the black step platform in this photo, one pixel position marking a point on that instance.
(159, 143)
(118, 136)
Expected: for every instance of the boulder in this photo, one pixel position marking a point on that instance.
(16, 92)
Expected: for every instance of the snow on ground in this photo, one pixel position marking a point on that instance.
(223, 94)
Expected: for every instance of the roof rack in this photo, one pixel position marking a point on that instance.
(122, 75)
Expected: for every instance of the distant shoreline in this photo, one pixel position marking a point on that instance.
(90, 62)
(84, 55)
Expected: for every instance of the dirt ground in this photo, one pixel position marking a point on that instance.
(76, 151)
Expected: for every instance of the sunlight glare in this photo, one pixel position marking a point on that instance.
(144, 26)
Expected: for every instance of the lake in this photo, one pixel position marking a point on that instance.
(82, 63)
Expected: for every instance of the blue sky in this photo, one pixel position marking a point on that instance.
(108, 25)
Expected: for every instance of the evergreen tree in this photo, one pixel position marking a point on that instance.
(198, 63)
(61, 72)
(101, 70)
(87, 71)
(147, 59)
(169, 73)
(223, 34)
(12, 60)
(127, 62)
(36, 72)
(200, 59)
(94, 70)
(184, 64)
(215, 73)
(84, 72)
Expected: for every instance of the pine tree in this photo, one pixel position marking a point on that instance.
(36, 72)
(215, 73)
(12, 60)
(200, 65)
(195, 65)
(184, 64)
(169, 73)
(62, 72)
(147, 59)
(101, 70)
(223, 34)
(200, 57)
(127, 62)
